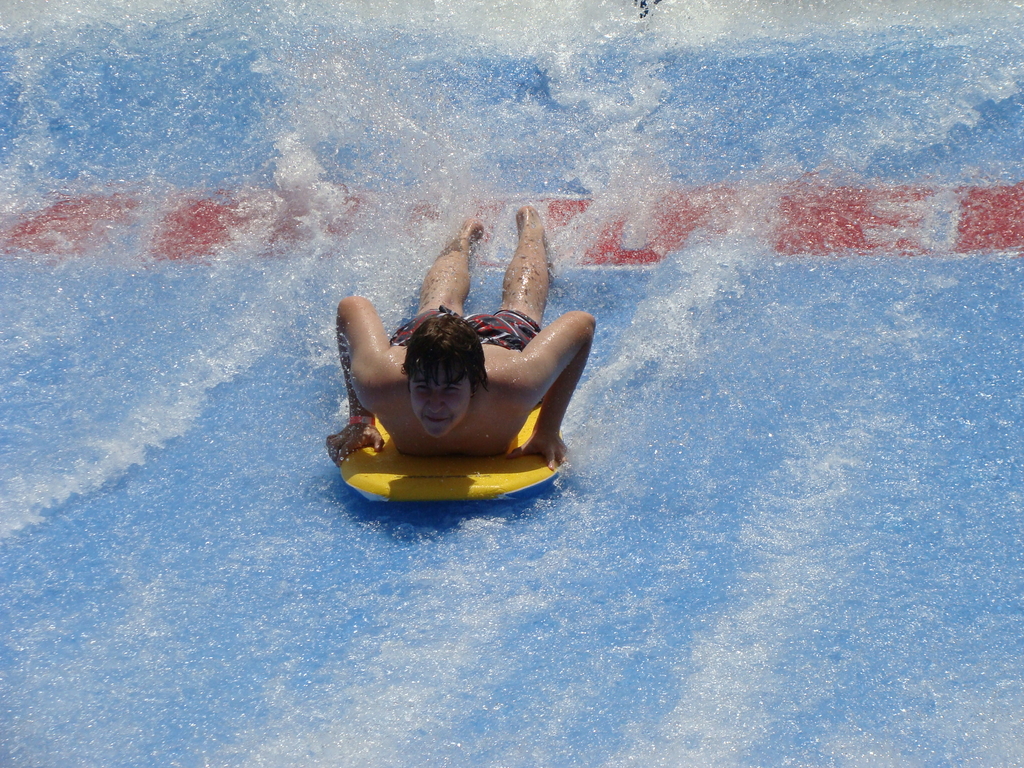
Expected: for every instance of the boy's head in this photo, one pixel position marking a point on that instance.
(444, 362)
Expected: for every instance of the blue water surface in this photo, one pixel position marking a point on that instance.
(791, 529)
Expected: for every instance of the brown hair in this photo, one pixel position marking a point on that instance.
(446, 344)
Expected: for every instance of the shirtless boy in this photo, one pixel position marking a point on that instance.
(443, 384)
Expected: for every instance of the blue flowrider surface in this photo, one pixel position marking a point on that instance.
(791, 529)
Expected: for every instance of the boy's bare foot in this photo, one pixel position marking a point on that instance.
(471, 232)
(528, 221)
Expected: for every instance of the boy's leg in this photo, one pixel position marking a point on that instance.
(447, 281)
(526, 280)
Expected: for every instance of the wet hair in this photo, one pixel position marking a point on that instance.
(445, 344)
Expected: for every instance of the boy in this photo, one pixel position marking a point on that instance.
(444, 384)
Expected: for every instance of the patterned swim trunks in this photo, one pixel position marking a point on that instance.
(505, 328)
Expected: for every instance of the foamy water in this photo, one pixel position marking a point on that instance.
(790, 530)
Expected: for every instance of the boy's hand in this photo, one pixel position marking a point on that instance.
(550, 447)
(352, 438)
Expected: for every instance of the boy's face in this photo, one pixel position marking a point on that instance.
(439, 405)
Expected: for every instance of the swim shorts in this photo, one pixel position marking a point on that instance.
(505, 328)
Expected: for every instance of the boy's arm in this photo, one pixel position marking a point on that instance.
(562, 354)
(360, 327)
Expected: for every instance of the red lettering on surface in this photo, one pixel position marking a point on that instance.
(991, 219)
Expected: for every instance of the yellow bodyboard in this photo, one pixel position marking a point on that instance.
(393, 476)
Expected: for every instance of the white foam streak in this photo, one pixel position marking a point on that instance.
(537, 25)
(735, 686)
(55, 14)
(663, 334)
(167, 410)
